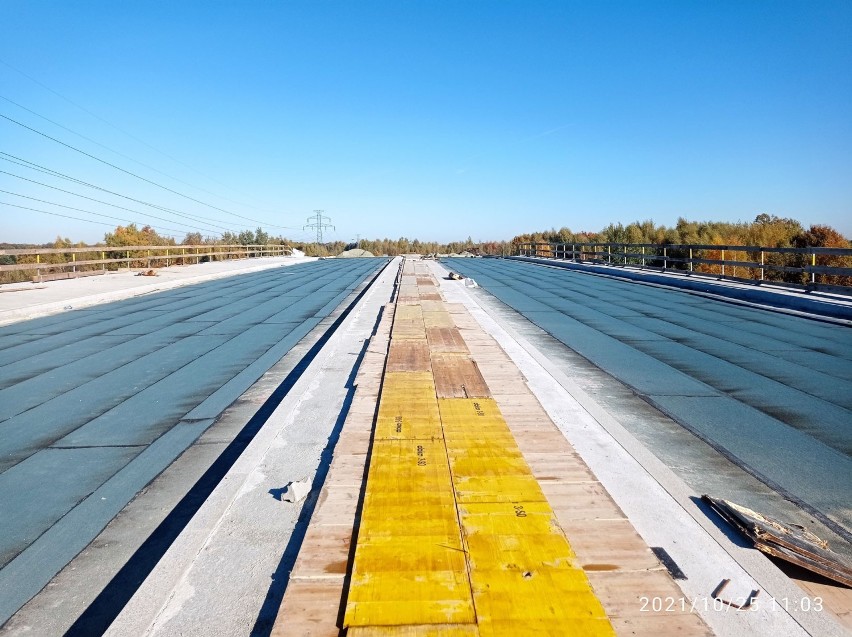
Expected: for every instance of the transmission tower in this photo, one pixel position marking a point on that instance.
(319, 222)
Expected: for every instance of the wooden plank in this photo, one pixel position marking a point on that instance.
(610, 545)
(446, 339)
(793, 544)
(324, 553)
(408, 355)
(580, 501)
(310, 608)
(457, 377)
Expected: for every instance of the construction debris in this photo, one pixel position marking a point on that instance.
(296, 491)
(456, 277)
(146, 273)
(787, 541)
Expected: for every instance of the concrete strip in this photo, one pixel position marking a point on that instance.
(24, 301)
(657, 502)
(222, 575)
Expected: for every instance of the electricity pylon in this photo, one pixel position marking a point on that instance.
(319, 223)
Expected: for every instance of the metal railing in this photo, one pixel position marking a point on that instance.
(812, 268)
(81, 261)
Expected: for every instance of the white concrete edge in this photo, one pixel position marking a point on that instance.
(150, 605)
(656, 500)
(8, 317)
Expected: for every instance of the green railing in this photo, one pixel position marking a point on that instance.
(47, 263)
(812, 268)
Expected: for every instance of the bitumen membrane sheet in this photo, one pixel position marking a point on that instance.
(95, 403)
(770, 391)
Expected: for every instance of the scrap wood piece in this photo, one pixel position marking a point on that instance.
(456, 277)
(787, 541)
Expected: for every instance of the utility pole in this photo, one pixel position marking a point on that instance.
(319, 222)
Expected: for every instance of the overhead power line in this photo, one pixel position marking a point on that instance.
(56, 214)
(119, 153)
(53, 203)
(37, 167)
(319, 223)
(132, 174)
(70, 192)
(121, 130)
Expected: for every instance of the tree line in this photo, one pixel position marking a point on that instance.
(766, 230)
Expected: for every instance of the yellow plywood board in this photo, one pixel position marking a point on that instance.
(413, 462)
(419, 383)
(541, 594)
(409, 565)
(438, 319)
(432, 630)
(527, 552)
(506, 465)
(497, 489)
(409, 554)
(470, 447)
(408, 311)
(473, 442)
(546, 628)
(408, 408)
(399, 610)
(465, 409)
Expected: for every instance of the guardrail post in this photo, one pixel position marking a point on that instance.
(723, 263)
(624, 252)
(643, 256)
(103, 258)
(813, 264)
(665, 259)
(761, 265)
(128, 259)
(690, 259)
(74, 261)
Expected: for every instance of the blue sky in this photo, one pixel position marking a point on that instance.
(436, 120)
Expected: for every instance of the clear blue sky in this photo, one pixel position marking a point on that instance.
(434, 120)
